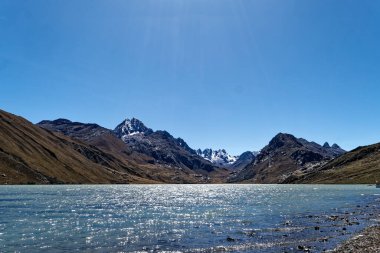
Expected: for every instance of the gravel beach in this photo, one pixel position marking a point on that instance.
(366, 241)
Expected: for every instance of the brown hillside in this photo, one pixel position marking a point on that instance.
(359, 166)
(30, 154)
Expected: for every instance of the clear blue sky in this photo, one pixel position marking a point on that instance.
(218, 73)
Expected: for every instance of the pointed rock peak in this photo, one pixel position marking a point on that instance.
(181, 142)
(248, 154)
(219, 151)
(281, 139)
(284, 136)
(326, 145)
(335, 146)
(131, 127)
(207, 152)
(134, 122)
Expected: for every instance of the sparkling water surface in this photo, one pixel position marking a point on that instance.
(182, 218)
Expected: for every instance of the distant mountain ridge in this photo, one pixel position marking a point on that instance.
(219, 157)
(74, 129)
(283, 156)
(359, 166)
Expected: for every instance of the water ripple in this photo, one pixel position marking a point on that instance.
(182, 218)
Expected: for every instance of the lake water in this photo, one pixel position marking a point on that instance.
(182, 218)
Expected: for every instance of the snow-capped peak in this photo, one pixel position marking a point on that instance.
(131, 127)
(219, 157)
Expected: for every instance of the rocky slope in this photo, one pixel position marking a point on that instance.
(161, 146)
(361, 165)
(92, 134)
(243, 160)
(284, 156)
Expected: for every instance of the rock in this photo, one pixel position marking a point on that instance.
(336, 146)
(220, 249)
(230, 239)
(250, 233)
(333, 217)
(367, 241)
(304, 248)
(316, 228)
(326, 145)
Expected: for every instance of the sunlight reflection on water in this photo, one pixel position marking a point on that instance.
(178, 218)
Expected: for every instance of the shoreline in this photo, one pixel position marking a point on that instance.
(368, 240)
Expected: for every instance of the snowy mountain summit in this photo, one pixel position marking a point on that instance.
(218, 157)
(131, 127)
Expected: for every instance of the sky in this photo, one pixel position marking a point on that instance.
(218, 73)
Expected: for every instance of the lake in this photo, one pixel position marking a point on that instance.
(183, 218)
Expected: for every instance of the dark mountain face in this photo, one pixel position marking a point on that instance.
(243, 160)
(74, 129)
(184, 145)
(359, 166)
(282, 157)
(325, 150)
(335, 149)
(282, 140)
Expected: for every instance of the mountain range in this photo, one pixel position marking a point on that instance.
(284, 156)
(167, 159)
(62, 151)
(222, 159)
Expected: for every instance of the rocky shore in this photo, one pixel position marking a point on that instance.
(366, 241)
